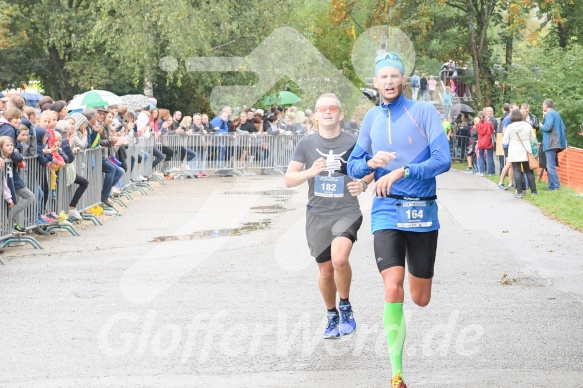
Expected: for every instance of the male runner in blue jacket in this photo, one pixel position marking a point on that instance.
(404, 144)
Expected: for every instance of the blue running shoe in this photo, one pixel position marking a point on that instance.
(332, 331)
(347, 322)
(40, 221)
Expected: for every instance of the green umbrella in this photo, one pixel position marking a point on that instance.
(94, 98)
(281, 98)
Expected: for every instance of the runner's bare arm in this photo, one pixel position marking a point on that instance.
(296, 175)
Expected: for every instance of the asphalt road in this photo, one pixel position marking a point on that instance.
(209, 283)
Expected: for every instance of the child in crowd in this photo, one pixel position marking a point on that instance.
(431, 84)
(67, 131)
(29, 119)
(45, 160)
(13, 116)
(16, 188)
(59, 160)
(48, 120)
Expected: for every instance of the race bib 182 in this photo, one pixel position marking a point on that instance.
(331, 187)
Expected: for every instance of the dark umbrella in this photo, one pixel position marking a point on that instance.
(461, 108)
(370, 94)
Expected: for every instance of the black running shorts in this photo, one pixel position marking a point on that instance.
(320, 231)
(392, 247)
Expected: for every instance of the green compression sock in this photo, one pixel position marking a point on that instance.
(395, 330)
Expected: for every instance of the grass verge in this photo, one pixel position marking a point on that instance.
(564, 205)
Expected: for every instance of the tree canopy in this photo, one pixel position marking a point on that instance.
(134, 46)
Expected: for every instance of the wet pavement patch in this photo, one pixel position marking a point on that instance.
(215, 233)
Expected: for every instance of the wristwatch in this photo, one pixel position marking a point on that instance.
(406, 171)
(364, 185)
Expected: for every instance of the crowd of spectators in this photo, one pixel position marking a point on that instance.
(53, 135)
(510, 137)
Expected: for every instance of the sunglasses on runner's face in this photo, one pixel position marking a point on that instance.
(325, 108)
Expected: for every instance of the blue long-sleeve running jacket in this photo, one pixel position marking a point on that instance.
(416, 134)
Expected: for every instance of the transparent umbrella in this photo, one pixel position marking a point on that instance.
(135, 101)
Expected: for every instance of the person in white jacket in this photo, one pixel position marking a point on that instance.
(518, 136)
(144, 131)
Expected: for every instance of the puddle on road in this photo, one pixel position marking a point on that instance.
(87, 294)
(214, 233)
(271, 209)
(278, 194)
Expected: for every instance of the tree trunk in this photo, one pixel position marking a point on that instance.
(474, 50)
(563, 35)
(509, 36)
(509, 45)
(58, 86)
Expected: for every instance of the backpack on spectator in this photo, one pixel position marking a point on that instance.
(415, 81)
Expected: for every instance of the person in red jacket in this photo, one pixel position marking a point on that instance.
(485, 130)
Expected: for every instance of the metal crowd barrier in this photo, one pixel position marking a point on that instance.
(230, 154)
(145, 148)
(181, 153)
(458, 146)
(5, 227)
(52, 195)
(88, 165)
(30, 176)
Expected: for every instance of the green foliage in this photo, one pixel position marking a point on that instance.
(72, 46)
(542, 72)
(564, 19)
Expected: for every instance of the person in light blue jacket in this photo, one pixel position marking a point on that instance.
(447, 101)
